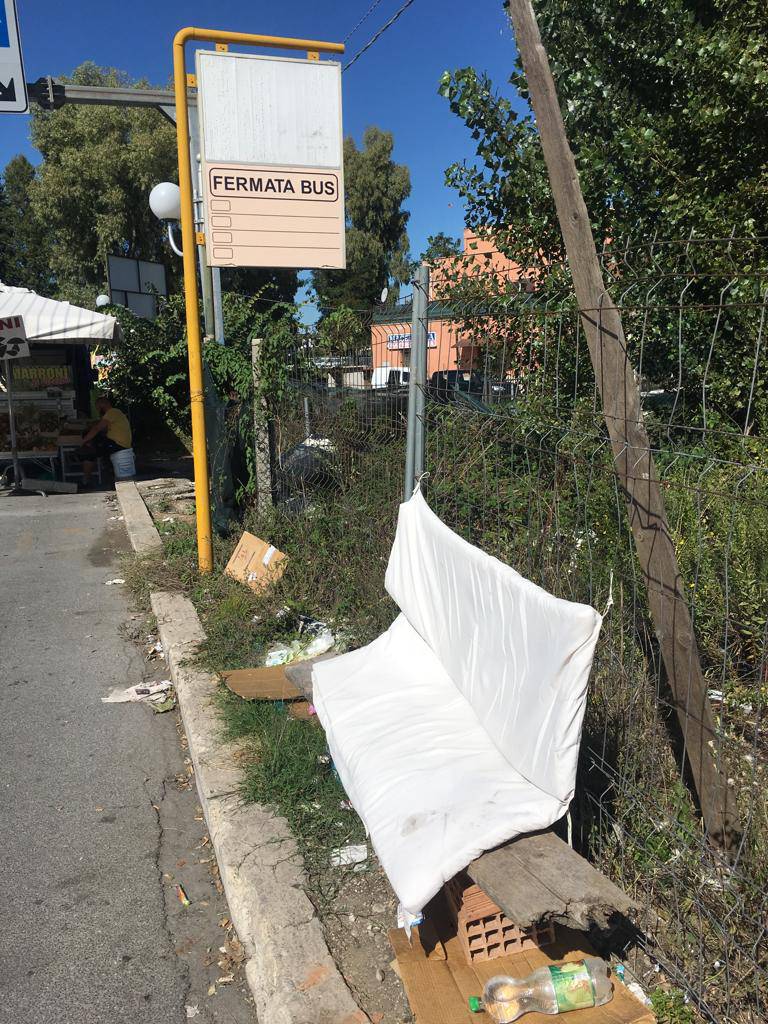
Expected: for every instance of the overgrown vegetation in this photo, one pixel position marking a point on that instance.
(546, 502)
(665, 104)
(337, 554)
(375, 189)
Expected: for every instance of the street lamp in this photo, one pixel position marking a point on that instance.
(102, 300)
(165, 203)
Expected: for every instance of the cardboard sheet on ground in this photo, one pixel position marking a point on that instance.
(438, 981)
(261, 684)
(255, 563)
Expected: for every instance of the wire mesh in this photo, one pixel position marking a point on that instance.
(521, 465)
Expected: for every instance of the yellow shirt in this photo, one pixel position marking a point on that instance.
(119, 429)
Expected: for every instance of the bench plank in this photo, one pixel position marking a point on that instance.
(538, 877)
(300, 672)
(534, 878)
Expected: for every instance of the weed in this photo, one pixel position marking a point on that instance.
(671, 1008)
(285, 769)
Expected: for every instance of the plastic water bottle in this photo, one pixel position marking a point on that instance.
(574, 986)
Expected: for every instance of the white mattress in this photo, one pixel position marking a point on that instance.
(459, 727)
(520, 655)
(431, 788)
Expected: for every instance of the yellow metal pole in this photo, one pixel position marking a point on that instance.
(194, 349)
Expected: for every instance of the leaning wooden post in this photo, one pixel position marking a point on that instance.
(629, 441)
(260, 433)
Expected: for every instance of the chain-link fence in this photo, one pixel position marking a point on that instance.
(520, 464)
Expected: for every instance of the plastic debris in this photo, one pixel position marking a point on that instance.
(181, 893)
(192, 1011)
(150, 692)
(406, 921)
(112, 583)
(159, 707)
(639, 993)
(354, 856)
(315, 639)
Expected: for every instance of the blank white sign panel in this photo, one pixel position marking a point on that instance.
(270, 110)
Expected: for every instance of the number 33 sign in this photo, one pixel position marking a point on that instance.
(13, 338)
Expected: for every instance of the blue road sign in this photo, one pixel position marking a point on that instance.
(13, 86)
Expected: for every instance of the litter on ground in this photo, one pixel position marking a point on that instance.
(350, 856)
(301, 649)
(151, 692)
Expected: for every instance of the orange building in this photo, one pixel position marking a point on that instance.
(449, 347)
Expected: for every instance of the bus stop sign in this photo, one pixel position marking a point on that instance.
(272, 166)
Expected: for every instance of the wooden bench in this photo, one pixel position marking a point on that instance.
(534, 878)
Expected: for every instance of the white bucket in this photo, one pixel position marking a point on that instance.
(123, 463)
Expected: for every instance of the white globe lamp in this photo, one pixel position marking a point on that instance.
(102, 300)
(165, 201)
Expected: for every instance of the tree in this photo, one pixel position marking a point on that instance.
(440, 246)
(669, 131)
(377, 238)
(24, 248)
(278, 285)
(91, 190)
(342, 332)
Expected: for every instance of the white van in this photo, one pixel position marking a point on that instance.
(390, 377)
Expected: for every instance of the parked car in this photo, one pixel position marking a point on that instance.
(447, 385)
(501, 390)
(390, 377)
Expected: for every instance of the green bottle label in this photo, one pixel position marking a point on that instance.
(573, 985)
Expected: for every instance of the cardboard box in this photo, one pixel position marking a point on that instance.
(438, 981)
(255, 563)
(261, 684)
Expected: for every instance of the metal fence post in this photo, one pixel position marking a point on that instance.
(12, 427)
(417, 382)
(218, 308)
(260, 434)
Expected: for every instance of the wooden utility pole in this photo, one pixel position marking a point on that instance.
(629, 441)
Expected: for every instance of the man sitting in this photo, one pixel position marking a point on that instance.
(111, 433)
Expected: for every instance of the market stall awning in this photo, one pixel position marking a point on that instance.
(50, 322)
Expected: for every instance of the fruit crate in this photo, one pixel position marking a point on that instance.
(484, 931)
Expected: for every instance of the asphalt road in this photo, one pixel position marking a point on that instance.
(92, 824)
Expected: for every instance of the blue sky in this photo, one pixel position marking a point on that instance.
(393, 85)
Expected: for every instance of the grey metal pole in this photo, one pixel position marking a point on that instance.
(206, 283)
(419, 345)
(307, 421)
(207, 289)
(414, 454)
(260, 434)
(12, 423)
(218, 308)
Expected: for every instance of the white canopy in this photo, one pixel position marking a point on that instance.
(50, 322)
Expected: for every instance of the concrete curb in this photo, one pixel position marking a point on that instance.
(290, 971)
(138, 522)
